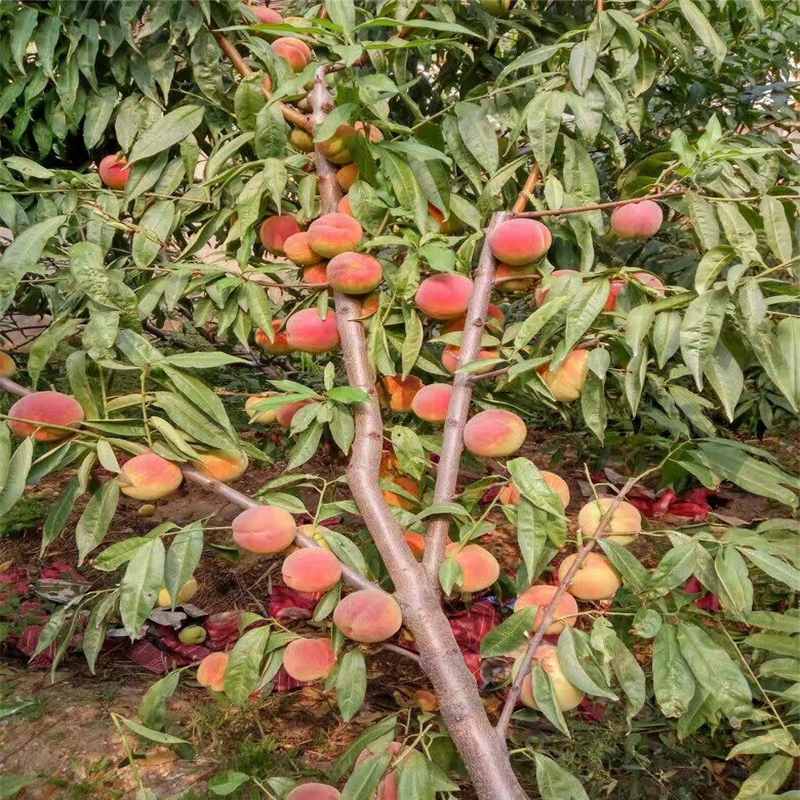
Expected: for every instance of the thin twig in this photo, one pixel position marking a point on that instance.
(655, 10)
(522, 199)
(557, 212)
(550, 609)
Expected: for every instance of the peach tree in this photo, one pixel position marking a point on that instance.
(414, 232)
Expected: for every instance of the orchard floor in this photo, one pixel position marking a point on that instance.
(65, 734)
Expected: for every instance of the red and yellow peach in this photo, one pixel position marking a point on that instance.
(314, 791)
(333, 234)
(368, 615)
(31, 415)
(279, 346)
(622, 528)
(354, 273)
(222, 465)
(397, 393)
(637, 220)
(444, 296)
(114, 171)
(567, 695)
(479, 566)
(298, 249)
(596, 578)
(275, 231)
(308, 332)
(211, 671)
(542, 595)
(566, 381)
(520, 241)
(312, 569)
(309, 659)
(149, 477)
(294, 50)
(431, 402)
(264, 530)
(494, 433)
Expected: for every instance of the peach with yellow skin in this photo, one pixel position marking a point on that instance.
(313, 569)
(264, 529)
(368, 615)
(294, 50)
(279, 346)
(333, 234)
(7, 366)
(444, 296)
(596, 578)
(623, 527)
(31, 415)
(318, 273)
(522, 280)
(495, 433)
(298, 250)
(211, 671)
(149, 477)
(452, 353)
(260, 417)
(302, 140)
(337, 148)
(479, 566)
(185, 594)
(397, 393)
(274, 232)
(309, 659)
(520, 241)
(347, 176)
(566, 382)
(542, 595)
(567, 695)
(431, 402)
(222, 465)
(409, 485)
(354, 273)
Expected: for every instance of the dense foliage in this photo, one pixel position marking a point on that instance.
(144, 286)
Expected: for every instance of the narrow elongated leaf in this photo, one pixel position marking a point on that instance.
(351, 684)
(543, 117)
(555, 783)
(18, 468)
(544, 694)
(775, 568)
(143, 578)
(172, 128)
(700, 330)
(245, 664)
(182, 558)
(673, 681)
(776, 227)
(93, 524)
(705, 31)
(579, 665)
(510, 634)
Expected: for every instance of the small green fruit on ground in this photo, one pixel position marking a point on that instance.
(194, 634)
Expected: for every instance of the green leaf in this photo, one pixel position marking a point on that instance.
(154, 229)
(673, 682)
(510, 634)
(538, 55)
(711, 265)
(704, 220)
(245, 664)
(227, 783)
(99, 108)
(715, 671)
(381, 729)
(733, 584)
(119, 553)
(726, 378)
(768, 778)
(478, 135)
(148, 733)
(543, 118)
(172, 128)
(351, 684)
(183, 557)
(143, 579)
(18, 468)
(675, 568)
(413, 777)
(527, 478)
(306, 445)
(705, 31)
(775, 568)
(582, 60)
(93, 524)
(544, 694)
(578, 664)
(554, 782)
(634, 573)
(23, 254)
(59, 513)
(700, 330)
(153, 706)
(776, 227)
(363, 782)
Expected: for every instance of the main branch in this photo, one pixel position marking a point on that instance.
(483, 751)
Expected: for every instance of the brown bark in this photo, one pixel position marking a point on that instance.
(559, 212)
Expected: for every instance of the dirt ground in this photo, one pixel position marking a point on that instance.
(65, 733)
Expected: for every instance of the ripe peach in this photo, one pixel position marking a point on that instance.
(185, 594)
(309, 659)
(279, 346)
(344, 207)
(566, 382)
(494, 318)
(520, 241)
(540, 295)
(346, 176)
(31, 415)
(521, 283)
(479, 566)
(314, 791)
(397, 393)
(431, 402)
(260, 417)
(302, 140)
(149, 477)
(308, 332)
(447, 225)
(333, 234)
(451, 353)
(275, 231)
(370, 304)
(266, 15)
(222, 465)
(494, 433)
(645, 278)
(114, 172)
(595, 580)
(264, 529)
(416, 543)
(7, 366)
(389, 787)
(444, 296)
(294, 50)
(567, 695)
(541, 595)
(318, 273)
(637, 220)
(298, 249)
(409, 485)
(368, 615)
(337, 148)
(625, 523)
(313, 569)
(211, 671)
(285, 414)
(509, 495)
(354, 273)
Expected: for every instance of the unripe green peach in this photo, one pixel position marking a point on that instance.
(194, 634)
